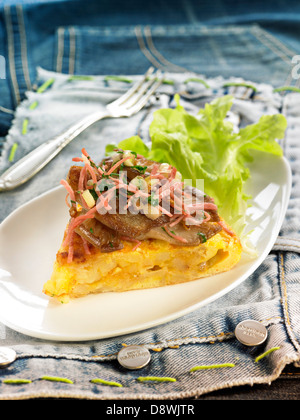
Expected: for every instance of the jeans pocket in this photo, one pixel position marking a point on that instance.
(246, 51)
(229, 51)
(91, 50)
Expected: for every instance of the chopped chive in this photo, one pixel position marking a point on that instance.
(13, 152)
(45, 85)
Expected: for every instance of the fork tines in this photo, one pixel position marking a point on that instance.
(138, 95)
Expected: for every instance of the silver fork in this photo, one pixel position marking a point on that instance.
(127, 105)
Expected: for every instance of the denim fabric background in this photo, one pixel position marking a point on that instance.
(251, 39)
(271, 295)
(220, 41)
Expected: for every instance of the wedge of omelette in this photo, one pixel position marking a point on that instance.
(135, 225)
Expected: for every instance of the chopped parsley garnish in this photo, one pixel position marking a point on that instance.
(153, 201)
(167, 232)
(203, 237)
(94, 194)
(141, 169)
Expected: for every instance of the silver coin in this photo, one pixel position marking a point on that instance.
(134, 357)
(7, 356)
(251, 333)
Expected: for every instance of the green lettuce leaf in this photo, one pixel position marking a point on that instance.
(206, 147)
(134, 143)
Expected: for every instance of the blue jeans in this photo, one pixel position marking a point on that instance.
(253, 40)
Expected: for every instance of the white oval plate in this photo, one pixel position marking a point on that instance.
(32, 234)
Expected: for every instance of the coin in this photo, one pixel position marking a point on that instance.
(7, 356)
(251, 333)
(134, 357)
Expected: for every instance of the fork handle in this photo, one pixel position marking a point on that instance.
(34, 161)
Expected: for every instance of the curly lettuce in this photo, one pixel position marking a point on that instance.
(206, 147)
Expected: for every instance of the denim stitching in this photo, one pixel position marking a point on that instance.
(72, 36)
(205, 367)
(269, 42)
(105, 382)
(124, 31)
(11, 53)
(266, 353)
(275, 40)
(200, 29)
(285, 303)
(189, 11)
(291, 239)
(18, 381)
(45, 85)
(25, 126)
(289, 78)
(24, 58)
(25, 123)
(143, 48)
(60, 49)
(167, 344)
(284, 111)
(291, 246)
(8, 111)
(12, 152)
(214, 47)
(158, 54)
